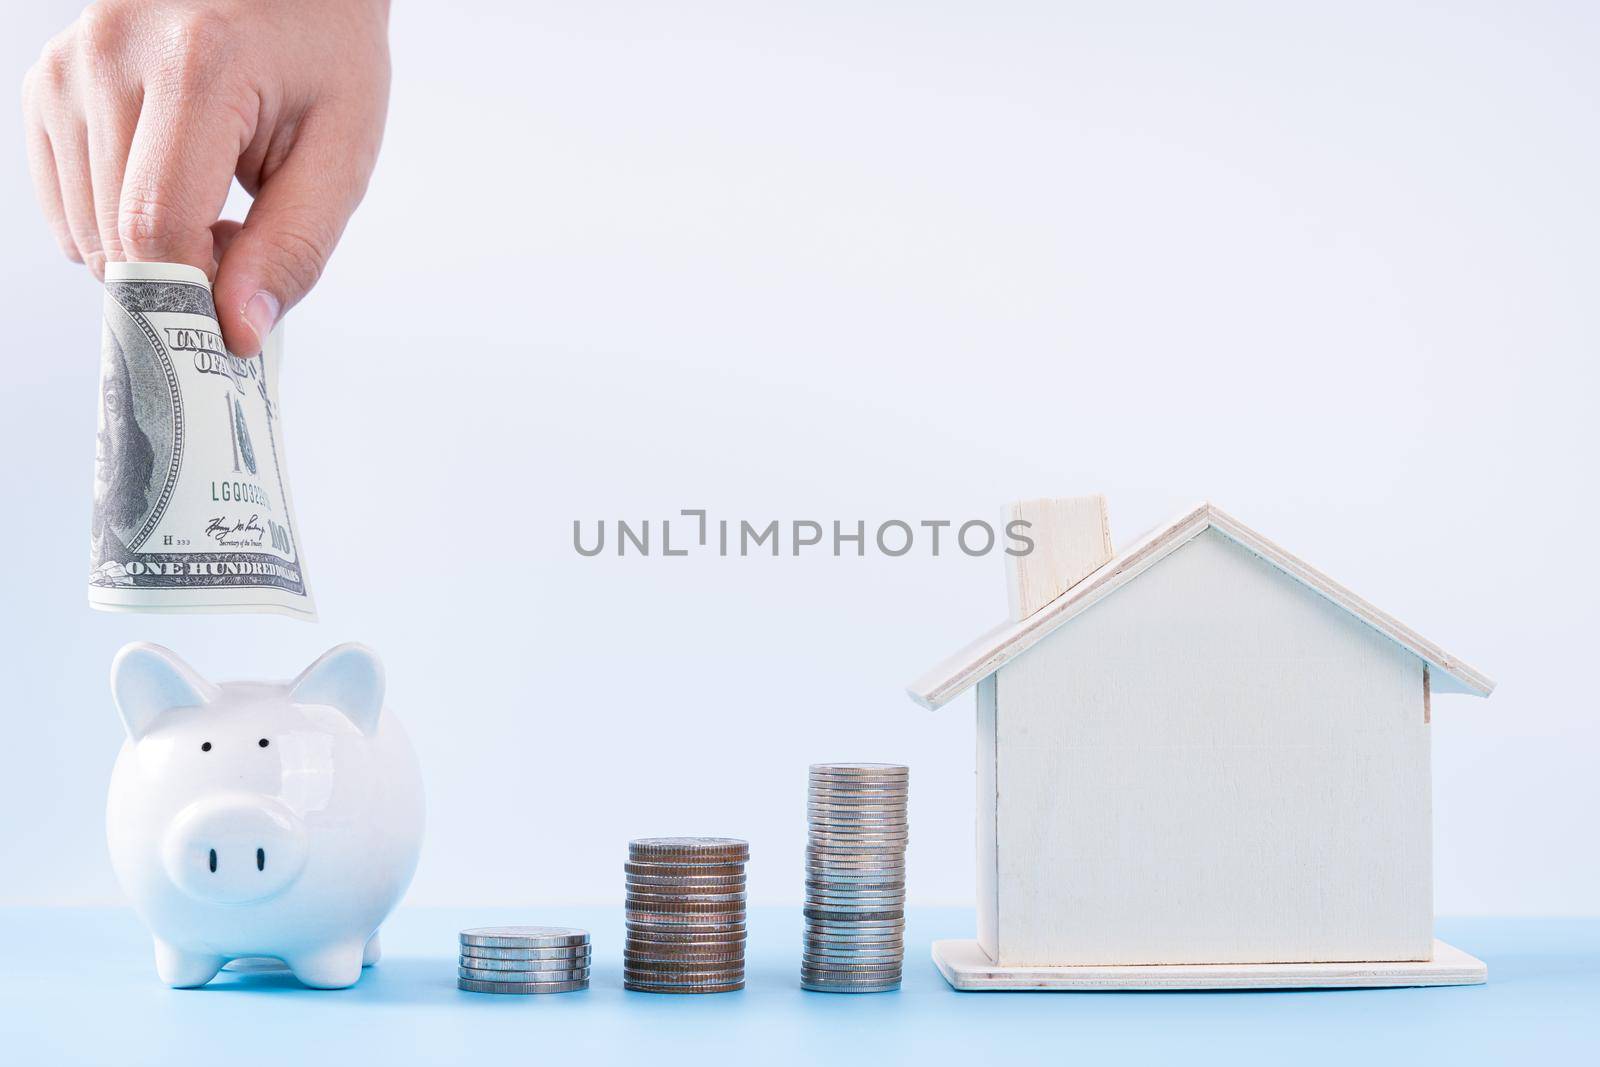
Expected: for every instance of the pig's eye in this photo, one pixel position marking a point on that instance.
(263, 742)
(206, 747)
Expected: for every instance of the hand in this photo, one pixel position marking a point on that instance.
(141, 113)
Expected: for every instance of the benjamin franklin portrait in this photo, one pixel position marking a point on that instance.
(133, 447)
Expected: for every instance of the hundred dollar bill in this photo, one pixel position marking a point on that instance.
(191, 499)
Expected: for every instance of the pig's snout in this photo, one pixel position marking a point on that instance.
(235, 849)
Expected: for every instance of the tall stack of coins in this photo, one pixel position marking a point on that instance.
(855, 877)
(523, 959)
(686, 915)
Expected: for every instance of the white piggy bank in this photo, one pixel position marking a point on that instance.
(254, 819)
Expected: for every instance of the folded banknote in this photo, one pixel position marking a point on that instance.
(192, 511)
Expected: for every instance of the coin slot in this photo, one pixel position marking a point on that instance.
(213, 861)
(261, 859)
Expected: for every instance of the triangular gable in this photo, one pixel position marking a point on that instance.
(1005, 642)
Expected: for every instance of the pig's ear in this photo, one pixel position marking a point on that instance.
(147, 680)
(349, 678)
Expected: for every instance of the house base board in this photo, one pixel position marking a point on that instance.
(968, 968)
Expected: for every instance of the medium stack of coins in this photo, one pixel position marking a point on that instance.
(523, 959)
(855, 877)
(686, 915)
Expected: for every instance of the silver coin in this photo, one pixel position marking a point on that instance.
(871, 844)
(688, 968)
(887, 950)
(895, 950)
(866, 843)
(727, 954)
(855, 816)
(854, 783)
(835, 911)
(850, 866)
(647, 987)
(861, 978)
(725, 920)
(524, 936)
(686, 870)
(727, 974)
(714, 883)
(657, 981)
(858, 937)
(850, 974)
(573, 974)
(842, 787)
(822, 960)
(658, 920)
(484, 952)
(686, 934)
(855, 876)
(693, 849)
(849, 987)
(644, 896)
(845, 912)
(567, 963)
(865, 942)
(860, 768)
(857, 927)
(857, 981)
(855, 904)
(834, 848)
(472, 985)
(878, 887)
(859, 965)
(862, 938)
(683, 935)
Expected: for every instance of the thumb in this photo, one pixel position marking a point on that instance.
(290, 231)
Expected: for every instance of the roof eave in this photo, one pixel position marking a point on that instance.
(992, 650)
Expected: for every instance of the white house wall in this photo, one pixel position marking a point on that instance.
(1214, 765)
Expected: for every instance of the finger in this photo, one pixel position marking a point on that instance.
(180, 166)
(42, 166)
(110, 119)
(223, 231)
(70, 148)
(290, 231)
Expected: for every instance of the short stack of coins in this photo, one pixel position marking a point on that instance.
(855, 877)
(523, 959)
(686, 915)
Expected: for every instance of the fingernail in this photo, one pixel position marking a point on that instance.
(261, 311)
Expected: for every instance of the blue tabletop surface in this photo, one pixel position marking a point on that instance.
(78, 986)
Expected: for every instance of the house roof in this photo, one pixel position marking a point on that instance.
(1005, 642)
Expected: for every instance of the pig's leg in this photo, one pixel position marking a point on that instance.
(185, 970)
(373, 952)
(328, 967)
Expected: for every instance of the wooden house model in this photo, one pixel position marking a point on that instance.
(1200, 763)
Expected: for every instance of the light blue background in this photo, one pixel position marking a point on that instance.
(1539, 1007)
(1331, 265)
